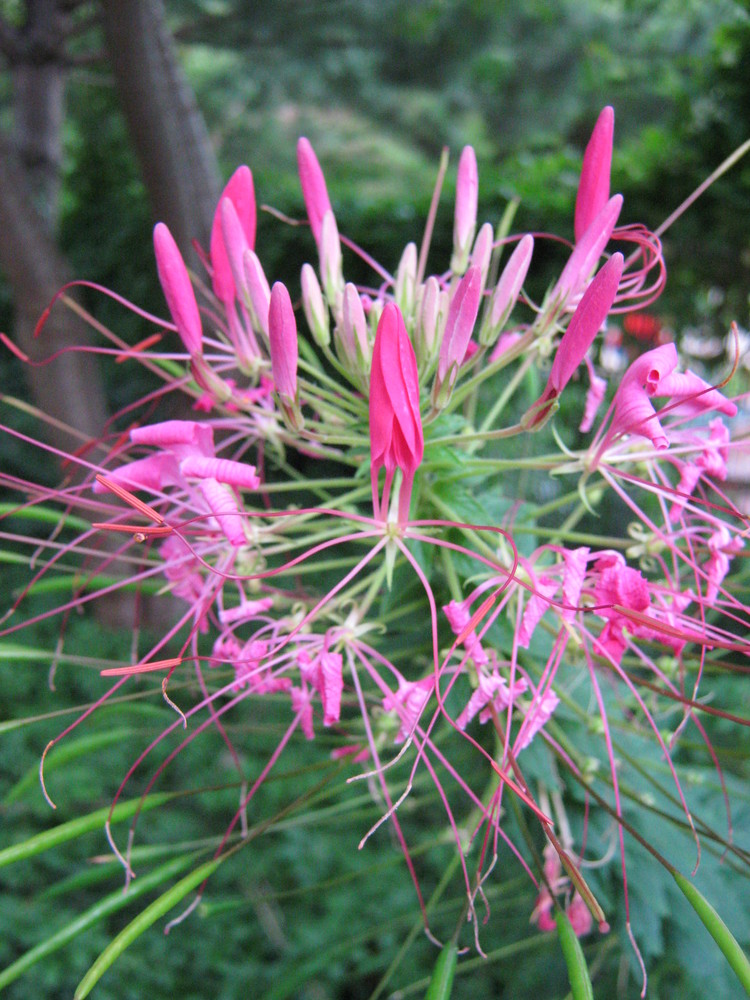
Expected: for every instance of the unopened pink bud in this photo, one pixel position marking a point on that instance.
(314, 189)
(330, 258)
(178, 291)
(593, 188)
(233, 246)
(282, 338)
(314, 308)
(428, 324)
(482, 252)
(241, 193)
(405, 286)
(258, 290)
(465, 219)
(587, 251)
(507, 290)
(353, 329)
(462, 315)
(584, 325)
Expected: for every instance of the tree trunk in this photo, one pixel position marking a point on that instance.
(69, 388)
(177, 162)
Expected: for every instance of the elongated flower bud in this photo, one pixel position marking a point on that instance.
(584, 325)
(258, 290)
(330, 258)
(462, 315)
(314, 189)
(240, 192)
(587, 251)
(465, 219)
(482, 252)
(428, 321)
(353, 331)
(178, 291)
(593, 188)
(507, 290)
(405, 288)
(282, 338)
(315, 309)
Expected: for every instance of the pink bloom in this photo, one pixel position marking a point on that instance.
(223, 506)
(465, 219)
(579, 915)
(462, 315)
(240, 193)
(459, 616)
(594, 396)
(223, 470)
(575, 563)
(314, 189)
(722, 548)
(593, 188)
(653, 374)
(396, 439)
(584, 325)
(492, 694)
(178, 291)
(618, 584)
(408, 702)
(536, 718)
(544, 589)
(332, 685)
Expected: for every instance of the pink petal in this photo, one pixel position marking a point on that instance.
(224, 507)
(224, 470)
(510, 283)
(174, 433)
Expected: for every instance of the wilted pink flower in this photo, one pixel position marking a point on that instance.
(178, 290)
(396, 439)
(408, 702)
(593, 187)
(314, 189)
(583, 327)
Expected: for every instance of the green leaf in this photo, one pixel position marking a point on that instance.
(110, 904)
(578, 973)
(717, 929)
(142, 922)
(77, 827)
(441, 983)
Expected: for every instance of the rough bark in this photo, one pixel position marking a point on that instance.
(170, 137)
(68, 389)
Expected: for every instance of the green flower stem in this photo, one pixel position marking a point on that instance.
(578, 973)
(441, 984)
(450, 515)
